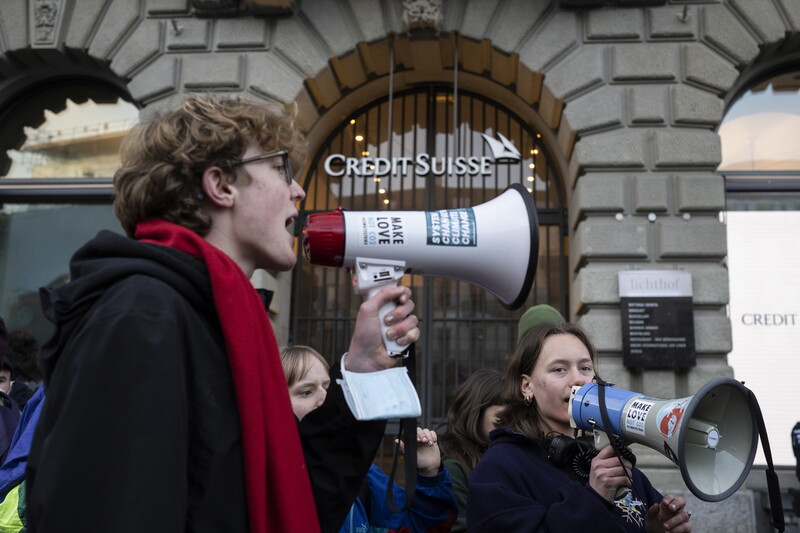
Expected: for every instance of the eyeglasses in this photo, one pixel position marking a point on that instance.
(285, 170)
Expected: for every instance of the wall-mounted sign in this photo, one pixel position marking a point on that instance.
(423, 164)
(657, 318)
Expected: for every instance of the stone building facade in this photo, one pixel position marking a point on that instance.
(626, 94)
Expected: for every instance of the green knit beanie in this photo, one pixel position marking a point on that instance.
(538, 314)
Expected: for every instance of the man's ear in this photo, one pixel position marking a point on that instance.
(216, 187)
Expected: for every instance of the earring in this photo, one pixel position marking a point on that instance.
(527, 399)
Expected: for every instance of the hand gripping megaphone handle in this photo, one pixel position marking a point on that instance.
(369, 277)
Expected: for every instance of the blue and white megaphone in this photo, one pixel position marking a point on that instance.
(711, 436)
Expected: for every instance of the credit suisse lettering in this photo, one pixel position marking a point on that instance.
(769, 319)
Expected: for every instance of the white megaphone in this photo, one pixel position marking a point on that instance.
(494, 245)
(711, 436)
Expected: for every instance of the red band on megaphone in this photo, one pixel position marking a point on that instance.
(323, 238)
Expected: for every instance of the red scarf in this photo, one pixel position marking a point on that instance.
(279, 497)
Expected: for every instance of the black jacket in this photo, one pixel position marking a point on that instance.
(141, 429)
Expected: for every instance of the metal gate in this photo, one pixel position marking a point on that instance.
(376, 160)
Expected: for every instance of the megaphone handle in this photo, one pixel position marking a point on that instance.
(601, 440)
(392, 348)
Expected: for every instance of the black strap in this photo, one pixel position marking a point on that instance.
(408, 433)
(773, 487)
(617, 441)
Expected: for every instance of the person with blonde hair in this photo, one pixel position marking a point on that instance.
(529, 480)
(166, 403)
(433, 507)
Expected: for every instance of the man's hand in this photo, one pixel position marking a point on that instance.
(669, 515)
(367, 352)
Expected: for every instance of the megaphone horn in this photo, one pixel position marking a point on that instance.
(494, 245)
(711, 436)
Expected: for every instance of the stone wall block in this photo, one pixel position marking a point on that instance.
(529, 84)
(505, 31)
(614, 24)
(709, 283)
(600, 109)
(643, 62)
(649, 194)
(553, 40)
(604, 239)
(270, 76)
(213, 71)
(475, 56)
(647, 104)
(477, 15)
(708, 369)
(13, 25)
(578, 73)
(762, 17)
(504, 68)
(375, 57)
(298, 44)
(695, 107)
(82, 21)
(659, 383)
(604, 327)
(699, 192)
(324, 88)
(707, 69)
(158, 79)
(333, 26)
(697, 238)
(118, 20)
(349, 70)
(596, 284)
(597, 193)
(167, 7)
(369, 18)
(142, 46)
(686, 148)
(243, 33)
(612, 370)
(189, 34)
(723, 30)
(618, 150)
(308, 114)
(671, 22)
(792, 10)
(712, 332)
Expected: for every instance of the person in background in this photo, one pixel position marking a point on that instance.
(23, 349)
(521, 485)
(9, 410)
(166, 405)
(465, 432)
(434, 506)
(535, 315)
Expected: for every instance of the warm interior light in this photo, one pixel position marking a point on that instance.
(531, 165)
(530, 178)
(352, 121)
(381, 191)
(385, 200)
(359, 137)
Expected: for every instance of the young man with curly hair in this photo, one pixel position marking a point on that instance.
(166, 403)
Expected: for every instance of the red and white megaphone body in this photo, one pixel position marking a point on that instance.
(711, 436)
(494, 245)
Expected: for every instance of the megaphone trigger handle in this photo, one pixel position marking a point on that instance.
(369, 277)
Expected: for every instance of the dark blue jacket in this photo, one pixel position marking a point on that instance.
(433, 509)
(515, 488)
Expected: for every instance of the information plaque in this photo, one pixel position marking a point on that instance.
(657, 318)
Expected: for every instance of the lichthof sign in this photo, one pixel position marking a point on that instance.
(657, 318)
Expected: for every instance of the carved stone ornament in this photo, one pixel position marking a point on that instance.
(422, 14)
(45, 15)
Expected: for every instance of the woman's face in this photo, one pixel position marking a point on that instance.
(310, 391)
(489, 421)
(563, 362)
